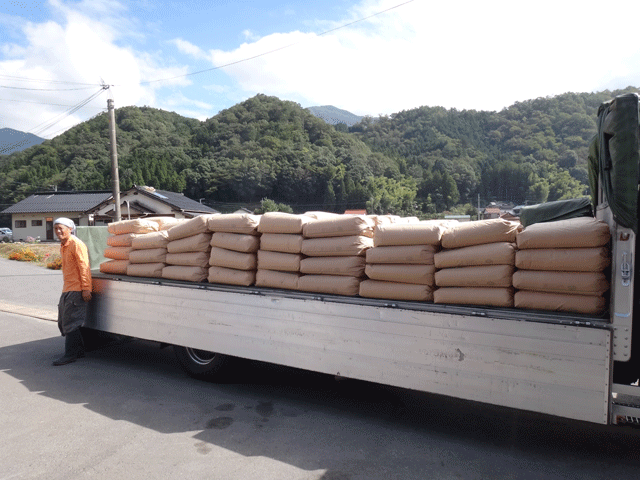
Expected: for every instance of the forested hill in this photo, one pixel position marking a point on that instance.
(424, 160)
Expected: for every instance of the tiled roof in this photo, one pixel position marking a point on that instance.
(177, 200)
(58, 202)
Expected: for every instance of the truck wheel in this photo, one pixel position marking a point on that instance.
(199, 363)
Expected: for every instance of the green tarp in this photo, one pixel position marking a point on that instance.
(553, 211)
(96, 240)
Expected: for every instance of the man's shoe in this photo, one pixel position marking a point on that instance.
(64, 360)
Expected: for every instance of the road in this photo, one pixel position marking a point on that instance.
(128, 411)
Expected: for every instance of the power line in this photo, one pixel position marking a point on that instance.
(49, 81)
(41, 103)
(47, 89)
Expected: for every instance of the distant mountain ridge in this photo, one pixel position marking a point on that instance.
(14, 140)
(333, 115)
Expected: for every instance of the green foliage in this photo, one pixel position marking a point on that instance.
(267, 205)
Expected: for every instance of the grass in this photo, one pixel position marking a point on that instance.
(41, 254)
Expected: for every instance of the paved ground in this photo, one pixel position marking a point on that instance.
(128, 411)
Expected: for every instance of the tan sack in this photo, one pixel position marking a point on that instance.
(151, 240)
(189, 259)
(384, 219)
(282, 262)
(577, 283)
(395, 291)
(124, 240)
(117, 253)
(165, 223)
(339, 226)
(559, 302)
(501, 253)
(479, 232)
(421, 233)
(229, 259)
(194, 243)
(149, 255)
(236, 242)
(153, 270)
(352, 266)
(280, 222)
(132, 226)
(564, 259)
(186, 274)
(484, 276)
(229, 276)
(281, 242)
(273, 279)
(243, 223)
(582, 232)
(403, 254)
(336, 246)
(331, 284)
(190, 227)
(320, 215)
(416, 274)
(487, 296)
(114, 267)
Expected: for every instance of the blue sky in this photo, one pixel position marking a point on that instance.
(458, 54)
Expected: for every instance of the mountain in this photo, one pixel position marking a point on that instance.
(333, 115)
(13, 140)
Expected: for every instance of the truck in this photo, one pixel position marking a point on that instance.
(573, 366)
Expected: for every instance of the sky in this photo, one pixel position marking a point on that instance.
(370, 57)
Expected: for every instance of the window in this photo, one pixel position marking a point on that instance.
(20, 224)
(36, 223)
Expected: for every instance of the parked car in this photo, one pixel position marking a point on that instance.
(6, 235)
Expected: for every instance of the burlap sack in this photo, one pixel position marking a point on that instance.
(331, 284)
(236, 242)
(282, 262)
(339, 226)
(280, 222)
(228, 276)
(501, 253)
(576, 283)
(465, 234)
(190, 227)
(345, 266)
(165, 223)
(149, 255)
(582, 232)
(151, 240)
(188, 259)
(403, 254)
(320, 215)
(396, 291)
(117, 253)
(484, 276)
(414, 274)
(336, 246)
(558, 302)
(114, 267)
(422, 233)
(229, 259)
(564, 259)
(490, 297)
(243, 223)
(281, 242)
(384, 219)
(132, 226)
(273, 279)
(194, 243)
(186, 274)
(153, 270)
(124, 240)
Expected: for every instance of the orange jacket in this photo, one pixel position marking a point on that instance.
(76, 271)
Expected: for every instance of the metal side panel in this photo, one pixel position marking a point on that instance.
(560, 370)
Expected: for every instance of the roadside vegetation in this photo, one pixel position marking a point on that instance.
(41, 254)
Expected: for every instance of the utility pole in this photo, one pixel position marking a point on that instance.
(115, 178)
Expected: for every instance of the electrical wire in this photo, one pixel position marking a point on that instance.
(49, 81)
(47, 89)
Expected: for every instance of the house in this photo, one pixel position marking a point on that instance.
(355, 212)
(34, 216)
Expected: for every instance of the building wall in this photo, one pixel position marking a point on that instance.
(35, 224)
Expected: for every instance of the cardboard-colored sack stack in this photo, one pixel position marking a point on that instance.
(280, 250)
(148, 255)
(561, 266)
(477, 263)
(400, 266)
(188, 247)
(335, 246)
(120, 241)
(234, 243)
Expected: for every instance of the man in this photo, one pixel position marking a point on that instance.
(76, 290)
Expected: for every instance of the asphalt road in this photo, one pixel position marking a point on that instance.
(128, 411)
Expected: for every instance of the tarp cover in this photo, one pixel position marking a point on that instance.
(559, 210)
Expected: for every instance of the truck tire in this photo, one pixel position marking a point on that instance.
(199, 363)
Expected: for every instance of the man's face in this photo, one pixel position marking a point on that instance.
(62, 232)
